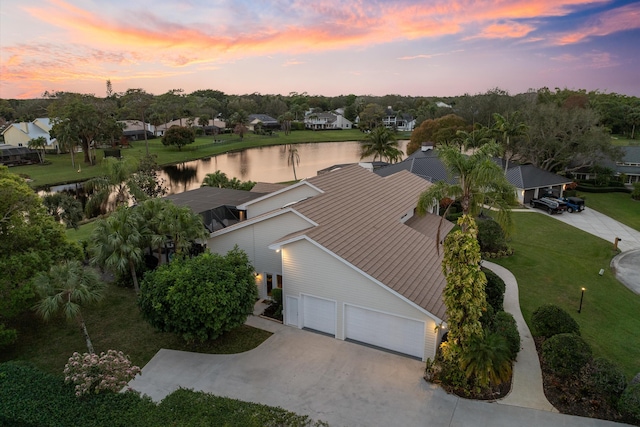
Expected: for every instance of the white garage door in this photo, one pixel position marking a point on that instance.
(319, 314)
(385, 330)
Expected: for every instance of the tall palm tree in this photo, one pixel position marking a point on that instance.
(40, 143)
(480, 181)
(472, 139)
(152, 211)
(381, 142)
(68, 287)
(117, 243)
(183, 226)
(508, 129)
(293, 158)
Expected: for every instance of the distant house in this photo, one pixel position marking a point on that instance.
(326, 121)
(629, 165)
(11, 155)
(399, 121)
(19, 134)
(267, 122)
(530, 181)
(351, 257)
(134, 130)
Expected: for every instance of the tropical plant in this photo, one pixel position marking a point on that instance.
(63, 207)
(68, 287)
(487, 359)
(508, 130)
(505, 325)
(464, 293)
(479, 181)
(146, 179)
(93, 374)
(293, 158)
(217, 179)
(381, 142)
(116, 181)
(38, 144)
(183, 226)
(494, 290)
(202, 297)
(117, 242)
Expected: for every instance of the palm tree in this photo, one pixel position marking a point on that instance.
(118, 241)
(480, 181)
(217, 179)
(381, 142)
(152, 211)
(487, 359)
(474, 139)
(115, 181)
(183, 226)
(67, 287)
(508, 129)
(40, 143)
(293, 158)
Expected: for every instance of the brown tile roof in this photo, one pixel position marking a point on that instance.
(266, 187)
(359, 218)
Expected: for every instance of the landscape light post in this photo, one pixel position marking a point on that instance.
(581, 297)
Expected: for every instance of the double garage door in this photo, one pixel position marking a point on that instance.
(366, 326)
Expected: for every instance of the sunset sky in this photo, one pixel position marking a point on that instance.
(322, 47)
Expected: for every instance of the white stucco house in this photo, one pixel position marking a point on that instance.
(351, 257)
(327, 120)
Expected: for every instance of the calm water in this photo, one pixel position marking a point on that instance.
(264, 164)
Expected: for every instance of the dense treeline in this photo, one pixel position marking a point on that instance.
(619, 114)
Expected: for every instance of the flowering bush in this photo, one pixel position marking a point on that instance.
(91, 373)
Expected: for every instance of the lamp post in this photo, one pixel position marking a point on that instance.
(581, 297)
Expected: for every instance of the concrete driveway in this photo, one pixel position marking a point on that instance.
(342, 383)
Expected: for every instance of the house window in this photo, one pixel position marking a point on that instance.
(270, 280)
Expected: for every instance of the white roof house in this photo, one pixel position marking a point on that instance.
(352, 259)
(19, 134)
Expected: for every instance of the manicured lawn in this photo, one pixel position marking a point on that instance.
(82, 233)
(552, 261)
(61, 170)
(623, 141)
(115, 323)
(619, 206)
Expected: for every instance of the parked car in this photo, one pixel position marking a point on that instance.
(549, 204)
(574, 204)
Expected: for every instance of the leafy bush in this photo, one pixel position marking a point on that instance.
(491, 236)
(549, 320)
(505, 325)
(90, 373)
(566, 354)
(629, 403)
(604, 378)
(635, 194)
(494, 289)
(276, 296)
(202, 297)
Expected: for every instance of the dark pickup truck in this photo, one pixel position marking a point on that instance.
(549, 204)
(574, 204)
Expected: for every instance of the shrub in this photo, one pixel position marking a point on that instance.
(90, 373)
(506, 326)
(605, 378)
(276, 296)
(202, 297)
(629, 403)
(566, 354)
(549, 320)
(491, 236)
(494, 289)
(635, 194)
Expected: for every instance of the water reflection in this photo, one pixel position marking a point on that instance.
(265, 164)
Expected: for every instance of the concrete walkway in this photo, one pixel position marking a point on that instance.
(526, 387)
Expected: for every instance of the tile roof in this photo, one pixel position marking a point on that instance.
(267, 187)
(359, 219)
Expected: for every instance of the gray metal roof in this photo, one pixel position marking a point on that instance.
(206, 198)
(529, 176)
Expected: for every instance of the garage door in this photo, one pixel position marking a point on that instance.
(319, 314)
(385, 330)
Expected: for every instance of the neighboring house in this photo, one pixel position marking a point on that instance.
(629, 165)
(134, 130)
(399, 121)
(267, 122)
(352, 259)
(217, 206)
(214, 126)
(11, 155)
(19, 134)
(530, 182)
(326, 121)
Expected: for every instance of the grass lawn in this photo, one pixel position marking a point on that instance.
(623, 140)
(552, 261)
(83, 232)
(61, 171)
(115, 323)
(619, 206)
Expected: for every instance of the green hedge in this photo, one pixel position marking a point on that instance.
(549, 320)
(589, 189)
(32, 398)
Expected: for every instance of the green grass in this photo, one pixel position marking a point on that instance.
(619, 206)
(61, 171)
(623, 140)
(82, 233)
(115, 323)
(552, 261)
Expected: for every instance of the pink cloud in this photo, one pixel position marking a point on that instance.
(615, 20)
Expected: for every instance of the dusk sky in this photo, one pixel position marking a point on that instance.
(322, 47)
